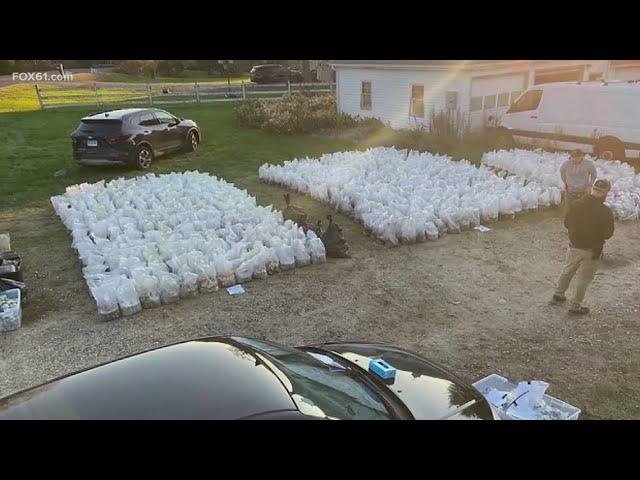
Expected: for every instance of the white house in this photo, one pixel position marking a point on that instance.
(404, 92)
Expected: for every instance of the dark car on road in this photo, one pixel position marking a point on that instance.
(274, 73)
(244, 378)
(132, 136)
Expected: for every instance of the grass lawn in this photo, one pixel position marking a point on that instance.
(18, 97)
(35, 145)
(21, 97)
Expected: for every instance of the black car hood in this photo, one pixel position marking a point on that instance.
(429, 391)
(192, 380)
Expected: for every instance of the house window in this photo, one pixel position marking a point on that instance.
(476, 104)
(489, 102)
(365, 96)
(503, 99)
(417, 101)
(515, 95)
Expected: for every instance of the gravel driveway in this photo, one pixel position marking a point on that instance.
(475, 302)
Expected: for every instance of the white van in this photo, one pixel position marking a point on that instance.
(597, 117)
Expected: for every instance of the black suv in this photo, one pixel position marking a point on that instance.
(273, 73)
(132, 136)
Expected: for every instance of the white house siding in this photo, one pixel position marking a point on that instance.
(391, 93)
(486, 87)
(391, 87)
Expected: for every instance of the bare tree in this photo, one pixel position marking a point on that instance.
(306, 72)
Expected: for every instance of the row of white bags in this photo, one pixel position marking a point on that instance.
(410, 196)
(543, 168)
(153, 239)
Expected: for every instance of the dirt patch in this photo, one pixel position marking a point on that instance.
(474, 302)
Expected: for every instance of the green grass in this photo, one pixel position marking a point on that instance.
(35, 145)
(188, 76)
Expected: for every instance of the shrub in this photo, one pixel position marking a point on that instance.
(448, 123)
(251, 114)
(170, 68)
(147, 68)
(295, 114)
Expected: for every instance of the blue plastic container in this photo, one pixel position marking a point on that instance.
(382, 368)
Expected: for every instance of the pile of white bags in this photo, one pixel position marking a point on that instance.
(151, 240)
(543, 168)
(410, 196)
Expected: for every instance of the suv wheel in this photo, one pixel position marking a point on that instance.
(193, 140)
(142, 157)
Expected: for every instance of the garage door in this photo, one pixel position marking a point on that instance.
(497, 84)
(491, 96)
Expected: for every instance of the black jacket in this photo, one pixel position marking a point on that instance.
(590, 224)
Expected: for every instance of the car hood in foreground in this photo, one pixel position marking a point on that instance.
(429, 391)
(202, 379)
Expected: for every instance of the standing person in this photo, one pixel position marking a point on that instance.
(590, 223)
(578, 174)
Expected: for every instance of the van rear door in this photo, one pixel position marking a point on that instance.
(522, 117)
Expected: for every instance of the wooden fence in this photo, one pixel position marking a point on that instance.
(80, 94)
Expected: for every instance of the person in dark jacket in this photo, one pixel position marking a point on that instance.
(590, 223)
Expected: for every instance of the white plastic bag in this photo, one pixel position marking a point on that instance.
(188, 285)
(169, 287)
(302, 257)
(318, 252)
(106, 300)
(148, 288)
(226, 275)
(286, 257)
(244, 272)
(128, 297)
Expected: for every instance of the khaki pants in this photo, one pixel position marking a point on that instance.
(579, 264)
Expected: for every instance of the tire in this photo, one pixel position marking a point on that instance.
(192, 141)
(142, 157)
(609, 149)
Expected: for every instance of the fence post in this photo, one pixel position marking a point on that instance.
(244, 92)
(195, 87)
(149, 94)
(39, 97)
(95, 91)
(289, 86)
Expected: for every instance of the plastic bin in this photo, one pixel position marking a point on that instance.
(8, 259)
(484, 385)
(10, 317)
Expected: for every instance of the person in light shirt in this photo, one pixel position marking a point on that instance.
(578, 175)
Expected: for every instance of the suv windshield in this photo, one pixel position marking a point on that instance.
(319, 386)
